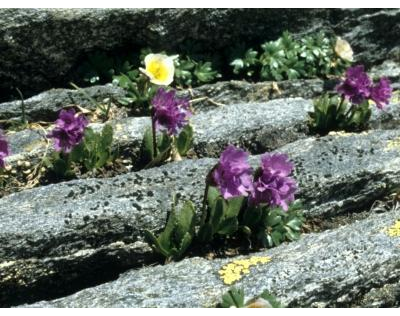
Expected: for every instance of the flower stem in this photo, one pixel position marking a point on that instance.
(204, 206)
(341, 104)
(153, 131)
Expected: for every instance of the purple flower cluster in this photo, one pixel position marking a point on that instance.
(4, 149)
(233, 175)
(273, 186)
(358, 87)
(69, 130)
(170, 112)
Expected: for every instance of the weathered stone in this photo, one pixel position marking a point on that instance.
(389, 69)
(256, 127)
(208, 96)
(45, 106)
(336, 173)
(41, 48)
(386, 296)
(329, 269)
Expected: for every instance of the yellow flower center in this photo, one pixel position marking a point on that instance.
(158, 69)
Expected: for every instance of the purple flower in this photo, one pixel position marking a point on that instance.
(381, 93)
(274, 186)
(4, 149)
(356, 86)
(170, 113)
(233, 175)
(69, 130)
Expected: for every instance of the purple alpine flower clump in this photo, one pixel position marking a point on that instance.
(233, 175)
(274, 186)
(69, 130)
(4, 149)
(357, 87)
(381, 93)
(170, 112)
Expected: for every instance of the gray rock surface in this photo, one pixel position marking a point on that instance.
(45, 106)
(258, 127)
(78, 220)
(329, 269)
(41, 48)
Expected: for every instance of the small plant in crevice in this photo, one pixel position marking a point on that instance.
(257, 205)
(187, 72)
(169, 115)
(288, 58)
(178, 232)
(350, 110)
(77, 145)
(236, 298)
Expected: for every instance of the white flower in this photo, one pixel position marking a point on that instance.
(159, 68)
(343, 49)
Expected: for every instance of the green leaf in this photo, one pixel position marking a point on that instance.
(295, 224)
(153, 241)
(213, 194)
(185, 140)
(234, 206)
(234, 297)
(184, 245)
(60, 167)
(185, 220)
(276, 238)
(107, 137)
(252, 216)
(157, 161)
(217, 213)
(271, 299)
(163, 142)
(228, 226)
(147, 146)
(205, 233)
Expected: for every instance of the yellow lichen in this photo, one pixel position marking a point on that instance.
(393, 144)
(394, 231)
(235, 270)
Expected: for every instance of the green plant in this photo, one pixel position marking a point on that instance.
(95, 150)
(165, 146)
(222, 218)
(272, 226)
(335, 114)
(247, 64)
(138, 91)
(288, 58)
(92, 153)
(178, 232)
(236, 298)
(188, 72)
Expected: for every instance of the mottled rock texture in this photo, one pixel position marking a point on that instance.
(329, 269)
(48, 231)
(41, 48)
